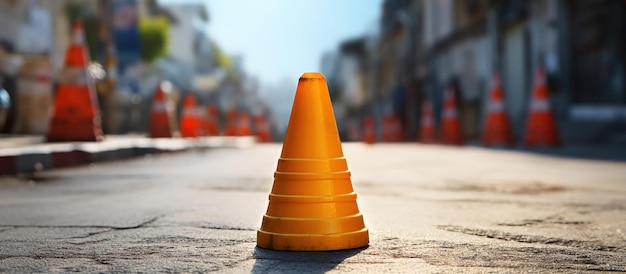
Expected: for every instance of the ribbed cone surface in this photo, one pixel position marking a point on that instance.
(541, 129)
(427, 132)
(160, 122)
(312, 205)
(76, 115)
(497, 131)
(451, 132)
(190, 121)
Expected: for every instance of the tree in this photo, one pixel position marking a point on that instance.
(154, 35)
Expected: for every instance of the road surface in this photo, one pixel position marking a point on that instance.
(428, 209)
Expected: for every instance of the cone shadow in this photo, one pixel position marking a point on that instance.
(267, 260)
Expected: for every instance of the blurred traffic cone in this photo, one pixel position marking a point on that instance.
(312, 205)
(369, 130)
(541, 128)
(354, 131)
(211, 126)
(387, 128)
(243, 124)
(231, 122)
(451, 133)
(76, 114)
(190, 122)
(161, 122)
(397, 133)
(427, 134)
(262, 129)
(497, 129)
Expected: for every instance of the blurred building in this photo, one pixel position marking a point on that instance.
(425, 45)
(347, 77)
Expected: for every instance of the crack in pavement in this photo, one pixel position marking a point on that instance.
(90, 242)
(141, 225)
(501, 235)
(548, 220)
(89, 234)
(228, 228)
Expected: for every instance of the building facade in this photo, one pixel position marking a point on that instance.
(425, 45)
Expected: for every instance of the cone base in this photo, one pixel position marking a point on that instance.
(312, 242)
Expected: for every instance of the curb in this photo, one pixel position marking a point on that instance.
(44, 156)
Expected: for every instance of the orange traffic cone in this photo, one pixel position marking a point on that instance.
(427, 134)
(161, 122)
(541, 128)
(387, 128)
(231, 122)
(211, 126)
(312, 205)
(497, 129)
(190, 122)
(397, 133)
(451, 133)
(243, 124)
(369, 130)
(76, 114)
(262, 129)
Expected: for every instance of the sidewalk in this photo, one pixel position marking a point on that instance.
(28, 153)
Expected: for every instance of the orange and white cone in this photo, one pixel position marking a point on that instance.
(162, 122)
(541, 127)
(397, 132)
(243, 124)
(231, 122)
(369, 130)
(262, 129)
(497, 129)
(451, 133)
(427, 133)
(211, 123)
(190, 122)
(76, 115)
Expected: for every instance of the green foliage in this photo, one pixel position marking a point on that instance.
(154, 35)
(223, 60)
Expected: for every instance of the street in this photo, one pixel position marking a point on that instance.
(429, 208)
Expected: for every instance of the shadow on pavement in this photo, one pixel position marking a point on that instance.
(299, 261)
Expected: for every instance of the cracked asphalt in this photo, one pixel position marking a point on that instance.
(428, 208)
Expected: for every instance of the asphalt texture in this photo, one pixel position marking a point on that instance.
(428, 209)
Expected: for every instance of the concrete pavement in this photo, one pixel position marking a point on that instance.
(428, 208)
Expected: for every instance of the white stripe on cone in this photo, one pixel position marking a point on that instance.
(159, 107)
(449, 113)
(192, 112)
(539, 105)
(495, 106)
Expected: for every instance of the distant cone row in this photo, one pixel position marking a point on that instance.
(540, 130)
(196, 121)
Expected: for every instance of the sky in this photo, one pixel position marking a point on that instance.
(281, 39)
